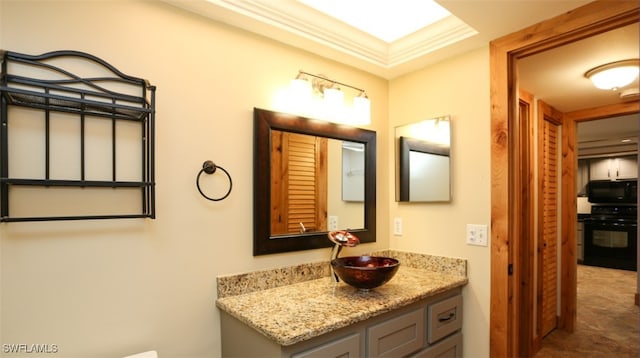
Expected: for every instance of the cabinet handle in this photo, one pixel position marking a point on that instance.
(447, 318)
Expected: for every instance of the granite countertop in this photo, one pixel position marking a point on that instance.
(291, 312)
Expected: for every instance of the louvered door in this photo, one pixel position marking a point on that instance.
(548, 213)
(298, 183)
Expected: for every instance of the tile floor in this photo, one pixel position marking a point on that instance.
(607, 318)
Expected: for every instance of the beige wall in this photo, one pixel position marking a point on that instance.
(115, 287)
(460, 88)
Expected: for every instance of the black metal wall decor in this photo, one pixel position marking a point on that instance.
(49, 86)
(210, 167)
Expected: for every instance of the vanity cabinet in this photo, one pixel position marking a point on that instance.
(430, 327)
(445, 317)
(348, 346)
(448, 347)
(397, 336)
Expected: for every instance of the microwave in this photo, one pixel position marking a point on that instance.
(607, 191)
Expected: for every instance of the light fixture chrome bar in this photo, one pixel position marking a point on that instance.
(330, 80)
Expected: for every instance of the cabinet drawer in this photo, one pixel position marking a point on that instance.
(398, 336)
(450, 347)
(348, 346)
(445, 317)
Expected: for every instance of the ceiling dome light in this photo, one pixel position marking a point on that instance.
(615, 75)
(630, 94)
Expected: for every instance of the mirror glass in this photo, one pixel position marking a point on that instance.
(310, 177)
(353, 174)
(313, 179)
(423, 168)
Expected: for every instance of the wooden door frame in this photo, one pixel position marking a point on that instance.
(506, 170)
(525, 247)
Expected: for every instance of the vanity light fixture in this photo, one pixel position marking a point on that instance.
(333, 107)
(333, 103)
(362, 109)
(614, 75)
(301, 85)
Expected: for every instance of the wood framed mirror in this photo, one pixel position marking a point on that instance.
(423, 167)
(298, 183)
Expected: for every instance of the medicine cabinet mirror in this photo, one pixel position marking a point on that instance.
(310, 177)
(423, 168)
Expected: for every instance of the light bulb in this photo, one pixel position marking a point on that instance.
(300, 94)
(333, 104)
(361, 110)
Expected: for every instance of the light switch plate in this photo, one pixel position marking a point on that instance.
(477, 235)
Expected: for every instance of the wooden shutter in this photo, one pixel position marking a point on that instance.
(298, 183)
(548, 213)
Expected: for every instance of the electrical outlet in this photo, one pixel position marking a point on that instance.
(333, 223)
(397, 226)
(477, 235)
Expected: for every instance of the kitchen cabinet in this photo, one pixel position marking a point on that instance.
(600, 169)
(430, 327)
(582, 177)
(627, 167)
(624, 167)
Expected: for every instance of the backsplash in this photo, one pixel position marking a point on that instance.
(445, 265)
(238, 284)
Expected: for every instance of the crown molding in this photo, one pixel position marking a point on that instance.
(298, 25)
(428, 40)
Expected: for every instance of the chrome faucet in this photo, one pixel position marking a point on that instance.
(340, 238)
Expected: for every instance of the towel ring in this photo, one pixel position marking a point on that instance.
(210, 167)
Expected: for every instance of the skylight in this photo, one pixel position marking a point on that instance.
(388, 20)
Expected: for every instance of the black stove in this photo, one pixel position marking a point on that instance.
(610, 236)
(614, 212)
(610, 232)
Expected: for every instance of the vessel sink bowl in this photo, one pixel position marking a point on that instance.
(365, 272)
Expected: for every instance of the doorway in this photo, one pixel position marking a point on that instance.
(508, 209)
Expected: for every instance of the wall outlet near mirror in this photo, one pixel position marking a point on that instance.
(333, 223)
(397, 226)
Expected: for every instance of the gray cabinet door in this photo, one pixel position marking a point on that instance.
(348, 346)
(450, 347)
(398, 336)
(445, 317)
